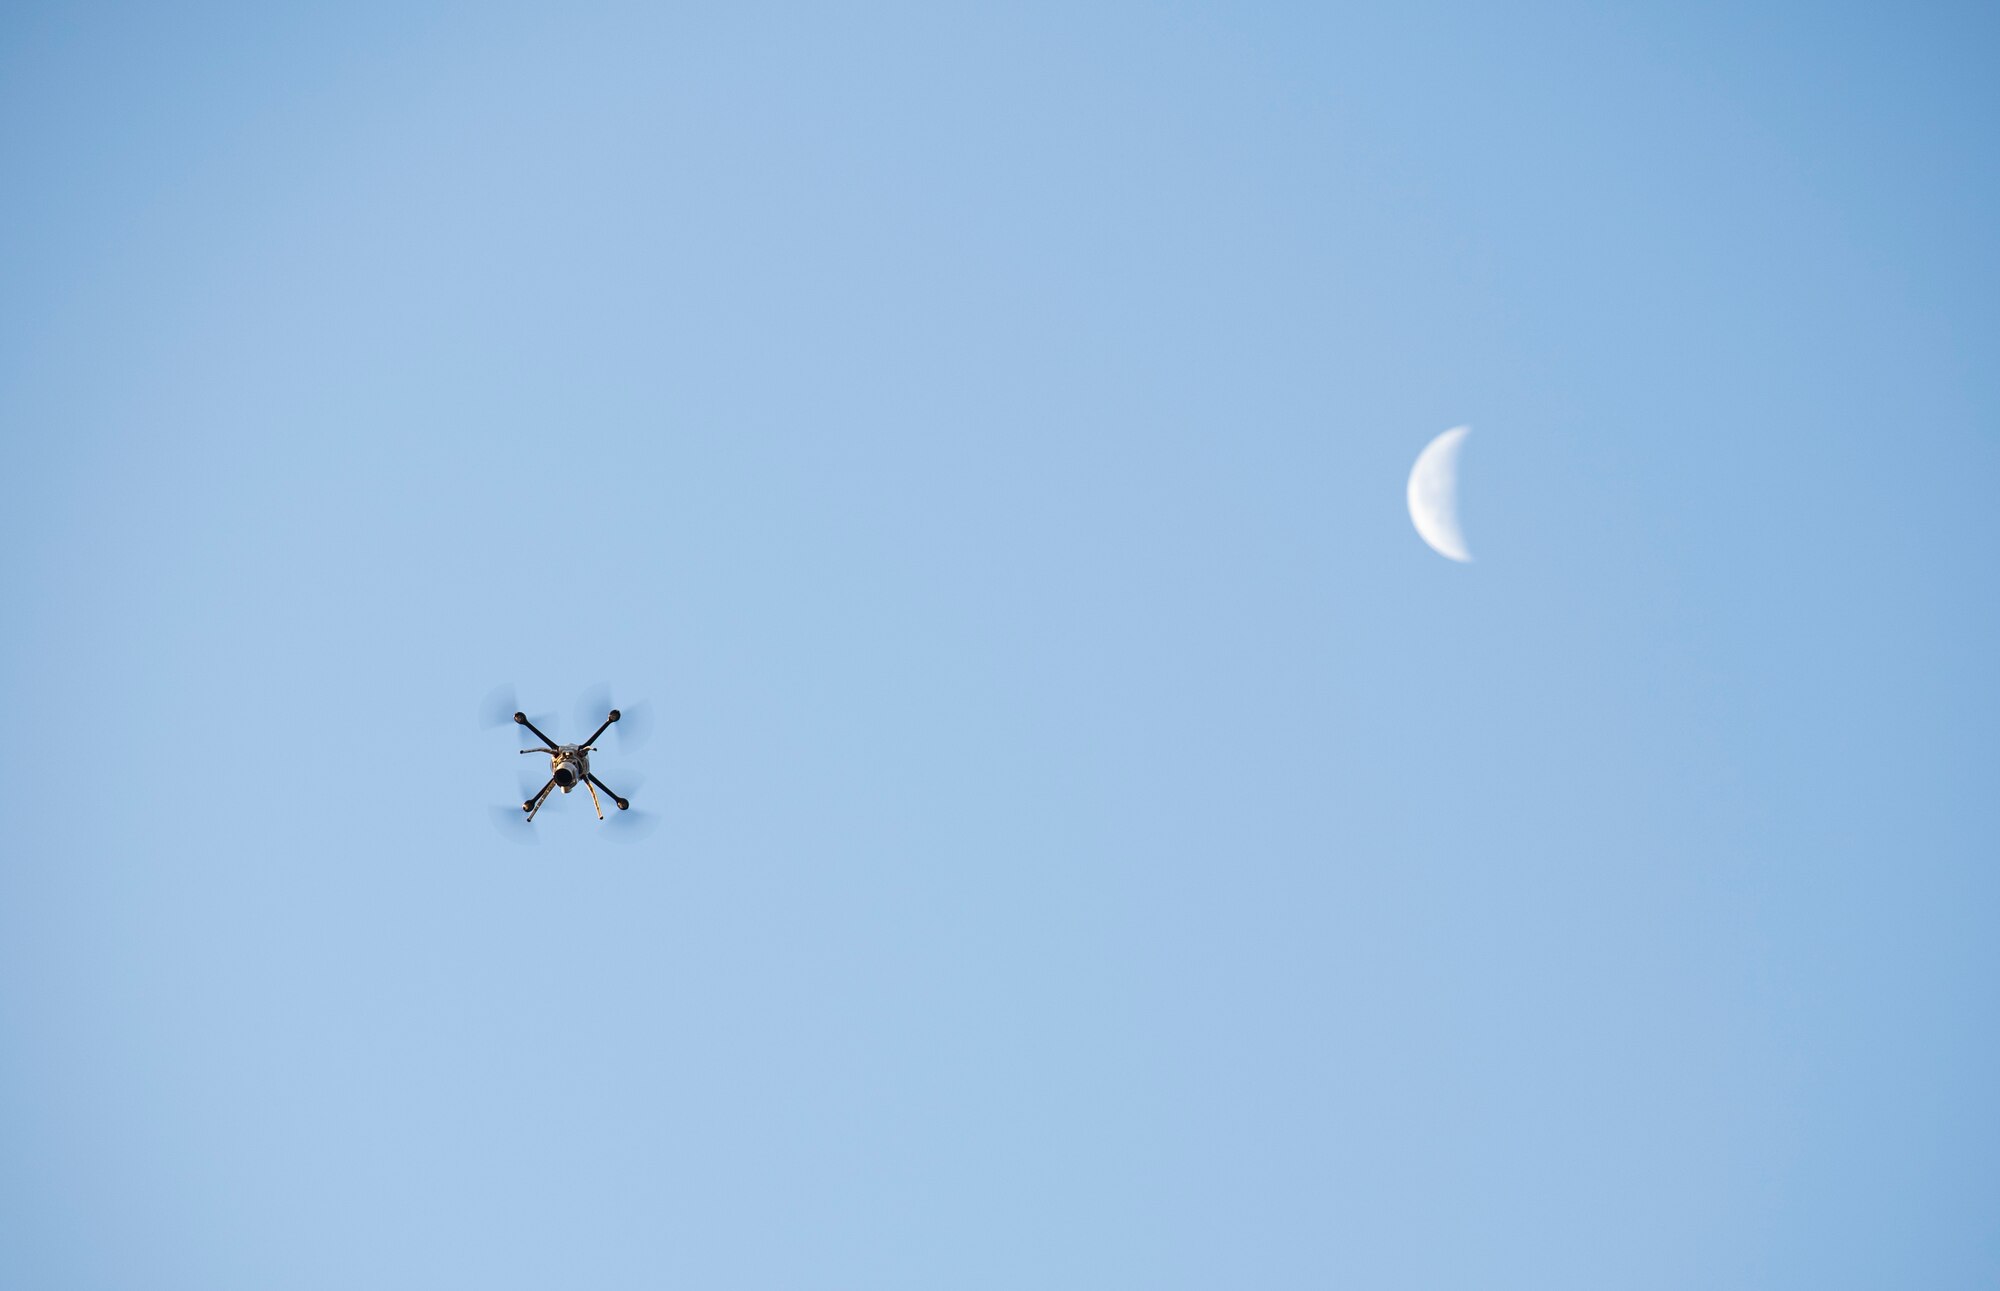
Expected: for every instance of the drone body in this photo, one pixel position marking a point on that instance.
(569, 766)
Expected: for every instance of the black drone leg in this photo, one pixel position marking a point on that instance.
(534, 804)
(622, 804)
(601, 730)
(522, 718)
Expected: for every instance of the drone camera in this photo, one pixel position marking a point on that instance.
(565, 778)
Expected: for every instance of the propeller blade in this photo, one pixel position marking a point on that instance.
(498, 708)
(511, 823)
(634, 725)
(592, 707)
(628, 733)
(631, 826)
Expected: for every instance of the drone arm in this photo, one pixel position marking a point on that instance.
(522, 718)
(602, 729)
(622, 804)
(534, 804)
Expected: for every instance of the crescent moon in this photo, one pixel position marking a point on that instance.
(1434, 494)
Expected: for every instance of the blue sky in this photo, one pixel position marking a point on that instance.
(1098, 843)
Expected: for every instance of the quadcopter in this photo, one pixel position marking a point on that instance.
(569, 766)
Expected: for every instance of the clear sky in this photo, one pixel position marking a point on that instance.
(1098, 844)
